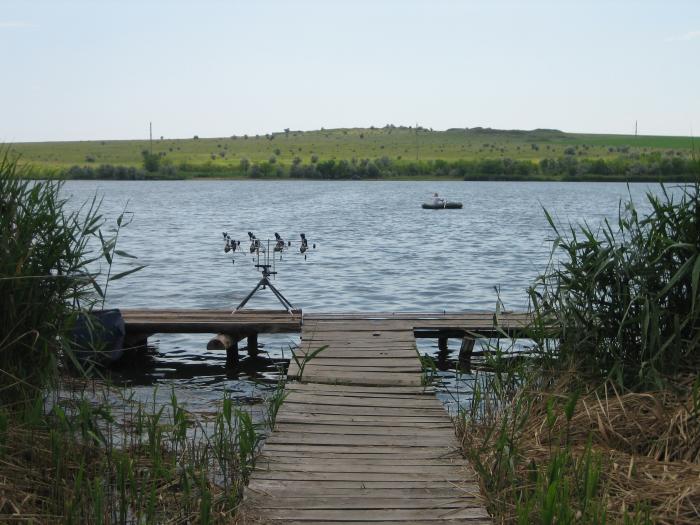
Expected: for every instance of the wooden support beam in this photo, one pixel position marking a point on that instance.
(253, 345)
(232, 359)
(465, 353)
(442, 344)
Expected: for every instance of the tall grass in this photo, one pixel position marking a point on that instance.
(85, 462)
(623, 303)
(43, 277)
(603, 425)
(73, 458)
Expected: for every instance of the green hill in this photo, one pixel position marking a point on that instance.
(396, 146)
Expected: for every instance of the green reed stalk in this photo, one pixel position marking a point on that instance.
(621, 302)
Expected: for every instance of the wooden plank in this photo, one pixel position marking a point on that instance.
(358, 344)
(320, 389)
(359, 430)
(362, 336)
(356, 353)
(407, 454)
(447, 472)
(363, 477)
(306, 408)
(304, 438)
(331, 369)
(209, 328)
(312, 485)
(363, 378)
(343, 460)
(377, 515)
(364, 401)
(396, 422)
(474, 314)
(330, 359)
(290, 490)
(339, 503)
(332, 393)
(316, 387)
(411, 521)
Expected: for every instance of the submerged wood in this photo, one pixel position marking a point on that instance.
(221, 342)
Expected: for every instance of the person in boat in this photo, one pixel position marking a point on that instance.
(437, 201)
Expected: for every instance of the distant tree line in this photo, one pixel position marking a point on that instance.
(566, 166)
(110, 172)
(154, 167)
(569, 167)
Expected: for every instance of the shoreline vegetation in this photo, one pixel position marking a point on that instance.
(387, 153)
(602, 423)
(73, 448)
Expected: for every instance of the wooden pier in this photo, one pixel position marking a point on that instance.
(360, 438)
(230, 327)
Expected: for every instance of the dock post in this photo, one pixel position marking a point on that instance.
(465, 353)
(443, 354)
(232, 355)
(253, 345)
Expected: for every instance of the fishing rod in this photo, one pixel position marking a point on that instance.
(265, 254)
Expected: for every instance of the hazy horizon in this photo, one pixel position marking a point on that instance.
(101, 71)
(331, 128)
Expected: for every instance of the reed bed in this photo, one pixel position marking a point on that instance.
(67, 455)
(557, 454)
(84, 462)
(601, 423)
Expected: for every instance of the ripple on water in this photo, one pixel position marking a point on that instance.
(377, 251)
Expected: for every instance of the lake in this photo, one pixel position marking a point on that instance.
(376, 250)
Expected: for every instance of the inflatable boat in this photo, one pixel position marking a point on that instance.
(446, 205)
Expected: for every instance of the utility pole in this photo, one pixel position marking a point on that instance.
(635, 128)
(150, 135)
(417, 148)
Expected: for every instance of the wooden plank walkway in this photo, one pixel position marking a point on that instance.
(151, 321)
(359, 439)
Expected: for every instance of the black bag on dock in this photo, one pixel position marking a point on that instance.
(98, 336)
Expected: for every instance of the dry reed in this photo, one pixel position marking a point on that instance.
(648, 445)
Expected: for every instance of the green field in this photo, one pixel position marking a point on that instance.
(400, 145)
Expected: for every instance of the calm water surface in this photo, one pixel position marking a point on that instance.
(377, 250)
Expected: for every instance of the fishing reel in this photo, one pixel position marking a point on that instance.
(229, 244)
(258, 247)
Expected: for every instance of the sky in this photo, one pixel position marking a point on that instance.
(88, 70)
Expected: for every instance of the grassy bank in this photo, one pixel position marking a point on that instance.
(371, 153)
(603, 425)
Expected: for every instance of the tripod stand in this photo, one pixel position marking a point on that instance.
(265, 281)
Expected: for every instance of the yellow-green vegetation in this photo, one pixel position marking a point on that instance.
(603, 425)
(404, 152)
